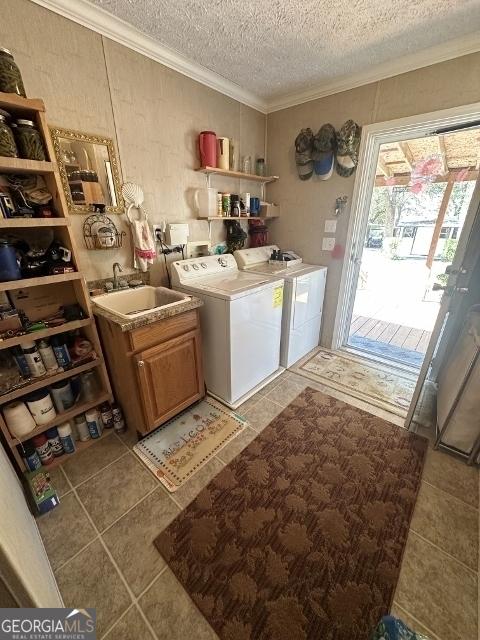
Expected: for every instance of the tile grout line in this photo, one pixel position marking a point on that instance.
(450, 495)
(117, 568)
(449, 555)
(434, 635)
(112, 560)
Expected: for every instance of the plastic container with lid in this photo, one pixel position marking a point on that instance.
(66, 437)
(8, 147)
(54, 441)
(34, 359)
(47, 355)
(18, 418)
(42, 446)
(30, 456)
(10, 76)
(82, 428)
(9, 267)
(94, 422)
(29, 141)
(41, 406)
(62, 395)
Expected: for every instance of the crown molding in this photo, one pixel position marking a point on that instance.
(433, 55)
(104, 23)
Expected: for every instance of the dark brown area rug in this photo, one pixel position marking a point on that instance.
(301, 536)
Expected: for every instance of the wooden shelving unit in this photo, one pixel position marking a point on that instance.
(35, 110)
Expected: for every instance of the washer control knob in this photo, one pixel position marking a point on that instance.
(185, 267)
(195, 266)
(203, 265)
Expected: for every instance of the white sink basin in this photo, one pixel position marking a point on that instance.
(134, 303)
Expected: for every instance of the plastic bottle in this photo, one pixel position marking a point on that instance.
(21, 361)
(42, 447)
(60, 349)
(66, 437)
(34, 359)
(54, 441)
(119, 425)
(82, 428)
(31, 457)
(47, 355)
(94, 423)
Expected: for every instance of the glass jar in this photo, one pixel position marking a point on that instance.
(10, 76)
(260, 167)
(8, 148)
(90, 386)
(29, 141)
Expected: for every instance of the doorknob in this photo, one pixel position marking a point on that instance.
(141, 363)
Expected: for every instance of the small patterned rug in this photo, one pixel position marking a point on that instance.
(390, 389)
(180, 447)
(301, 536)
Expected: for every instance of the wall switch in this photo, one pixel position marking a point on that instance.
(328, 244)
(330, 226)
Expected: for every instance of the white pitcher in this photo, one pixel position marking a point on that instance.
(206, 202)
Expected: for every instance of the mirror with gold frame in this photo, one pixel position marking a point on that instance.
(89, 171)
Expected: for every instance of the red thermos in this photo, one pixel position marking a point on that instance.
(207, 142)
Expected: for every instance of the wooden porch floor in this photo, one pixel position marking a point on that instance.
(390, 333)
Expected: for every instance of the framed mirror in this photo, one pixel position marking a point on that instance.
(89, 171)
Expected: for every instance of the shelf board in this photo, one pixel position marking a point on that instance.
(44, 333)
(20, 165)
(65, 416)
(35, 282)
(13, 101)
(79, 447)
(237, 174)
(28, 223)
(244, 218)
(51, 379)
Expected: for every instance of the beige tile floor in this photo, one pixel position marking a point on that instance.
(99, 540)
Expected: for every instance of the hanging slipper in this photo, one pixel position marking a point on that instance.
(348, 139)
(303, 154)
(323, 154)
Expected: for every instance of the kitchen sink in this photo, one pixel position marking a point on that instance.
(134, 303)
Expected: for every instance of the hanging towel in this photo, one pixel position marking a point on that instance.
(144, 252)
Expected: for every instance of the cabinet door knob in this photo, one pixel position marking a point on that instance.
(141, 363)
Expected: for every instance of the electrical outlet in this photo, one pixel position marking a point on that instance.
(328, 244)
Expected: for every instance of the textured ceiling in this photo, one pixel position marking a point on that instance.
(275, 47)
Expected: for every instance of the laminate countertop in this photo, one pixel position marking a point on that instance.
(148, 318)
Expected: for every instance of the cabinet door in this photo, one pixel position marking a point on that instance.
(170, 377)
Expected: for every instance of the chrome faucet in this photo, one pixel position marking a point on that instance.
(116, 266)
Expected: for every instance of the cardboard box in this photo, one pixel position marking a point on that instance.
(42, 493)
(43, 301)
(268, 210)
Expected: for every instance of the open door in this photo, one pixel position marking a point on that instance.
(461, 291)
(25, 572)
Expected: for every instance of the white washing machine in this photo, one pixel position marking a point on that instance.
(241, 321)
(302, 301)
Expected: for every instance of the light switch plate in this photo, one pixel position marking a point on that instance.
(328, 244)
(330, 226)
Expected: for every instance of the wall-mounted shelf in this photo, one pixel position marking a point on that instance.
(11, 101)
(237, 175)
(211, 219)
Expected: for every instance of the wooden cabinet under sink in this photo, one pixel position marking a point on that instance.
(155, 370)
